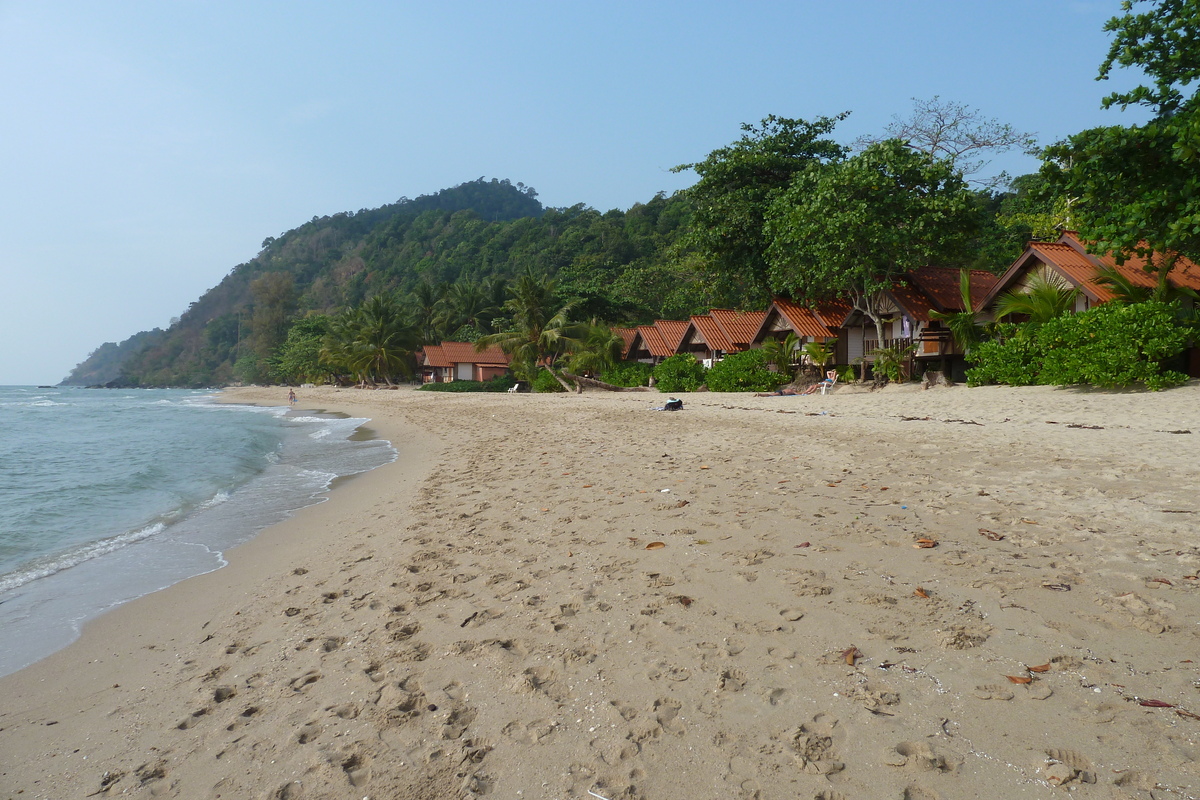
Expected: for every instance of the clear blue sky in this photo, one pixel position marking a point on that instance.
(146, 148)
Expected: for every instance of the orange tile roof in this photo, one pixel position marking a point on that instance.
(465, 353)
(627, 335)
(711, 332)
(803, 321)
(435, 357)
(653, 340)
(739, 326)
(941, 284)
(911, 300)
(672, 331)
(832, 313)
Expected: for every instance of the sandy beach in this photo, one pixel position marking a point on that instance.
(910, 594)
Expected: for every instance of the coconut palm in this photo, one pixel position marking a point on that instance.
(965, 326)
(599, 350)
(1043, 300)
(782, 352)
(541, 329)
(374, 341)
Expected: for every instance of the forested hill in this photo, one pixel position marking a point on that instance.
(475, 235)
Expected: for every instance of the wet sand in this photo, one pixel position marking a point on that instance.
(902, 594)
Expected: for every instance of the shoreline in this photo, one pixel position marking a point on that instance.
(486, 614)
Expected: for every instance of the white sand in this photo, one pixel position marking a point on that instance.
(484, 617)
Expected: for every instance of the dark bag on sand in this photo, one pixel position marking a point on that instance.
(673, 405)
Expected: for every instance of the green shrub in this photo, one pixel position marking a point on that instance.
(681, 373)
(744, 372)
(1113, 345)
(628, 373)
(1108, 346)
(545, 382)
(501, 383)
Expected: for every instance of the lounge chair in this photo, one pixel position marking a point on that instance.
(825, 385)
(514, 388)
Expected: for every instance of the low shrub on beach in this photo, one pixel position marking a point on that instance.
(545, 382)
(628, 373)
(501, 383)
(745, 372)
(1109, 346)
(681, 373)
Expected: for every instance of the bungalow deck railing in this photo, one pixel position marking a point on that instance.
(871, 345)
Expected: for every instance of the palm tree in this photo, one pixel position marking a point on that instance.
(539, 334)
(598, 351)
(374, 341)
(426, 302)
(1043, 300)
(466, 304)
(963, 325)
(818, 354)
(782, 352)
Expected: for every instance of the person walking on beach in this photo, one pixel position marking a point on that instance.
(292, 396)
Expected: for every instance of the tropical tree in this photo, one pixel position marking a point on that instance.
(374, 342)
(1043, 300)
(426, 305)
(298, 359)
(853, 228)
(599, 350)
(541, 331)
(818, 354)
(1136, 188)
(737, 185)
(966, 326)
(782, 353)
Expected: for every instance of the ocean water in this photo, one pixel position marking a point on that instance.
(108, 495)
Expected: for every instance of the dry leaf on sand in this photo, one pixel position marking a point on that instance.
(923, 544)
(656, 545)
(851, 654)
(1039, 668)
(1019, 678)
(921, 593)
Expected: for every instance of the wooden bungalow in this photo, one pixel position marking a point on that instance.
(906, 309)
(627, 335)
(1068, 262)
(451, 361)
(820, 324)
(706, 340)
(648, 346)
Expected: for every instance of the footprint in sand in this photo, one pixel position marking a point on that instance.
(922, 756)
(304, 681)
(666, 711)
(812, 744)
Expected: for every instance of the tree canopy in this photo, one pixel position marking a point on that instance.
(737, 185)
(853, 227)
(1135, 189)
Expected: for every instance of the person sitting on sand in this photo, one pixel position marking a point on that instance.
(787, 390)
(830, 380)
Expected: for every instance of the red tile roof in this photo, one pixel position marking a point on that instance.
(627, 335)
(465, 353)
(434, 356)
(1069, 258)
(832, 313)
(801, 319)
(672, 331)
(941, 284)
(653, 340)
(739, 326)
(711, 332)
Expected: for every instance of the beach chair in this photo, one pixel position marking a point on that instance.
(830, 379)
(513, 389)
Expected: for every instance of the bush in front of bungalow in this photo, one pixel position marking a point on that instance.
(1108, 346)
(745, 372)
(681, 373)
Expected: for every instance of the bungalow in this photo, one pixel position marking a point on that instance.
(821, 324)
(648, 345)
(907, 319)
(1068, 261)
(706, 340)
(451, 361)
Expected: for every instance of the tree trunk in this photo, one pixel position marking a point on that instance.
(608, 387)
(568, 387)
